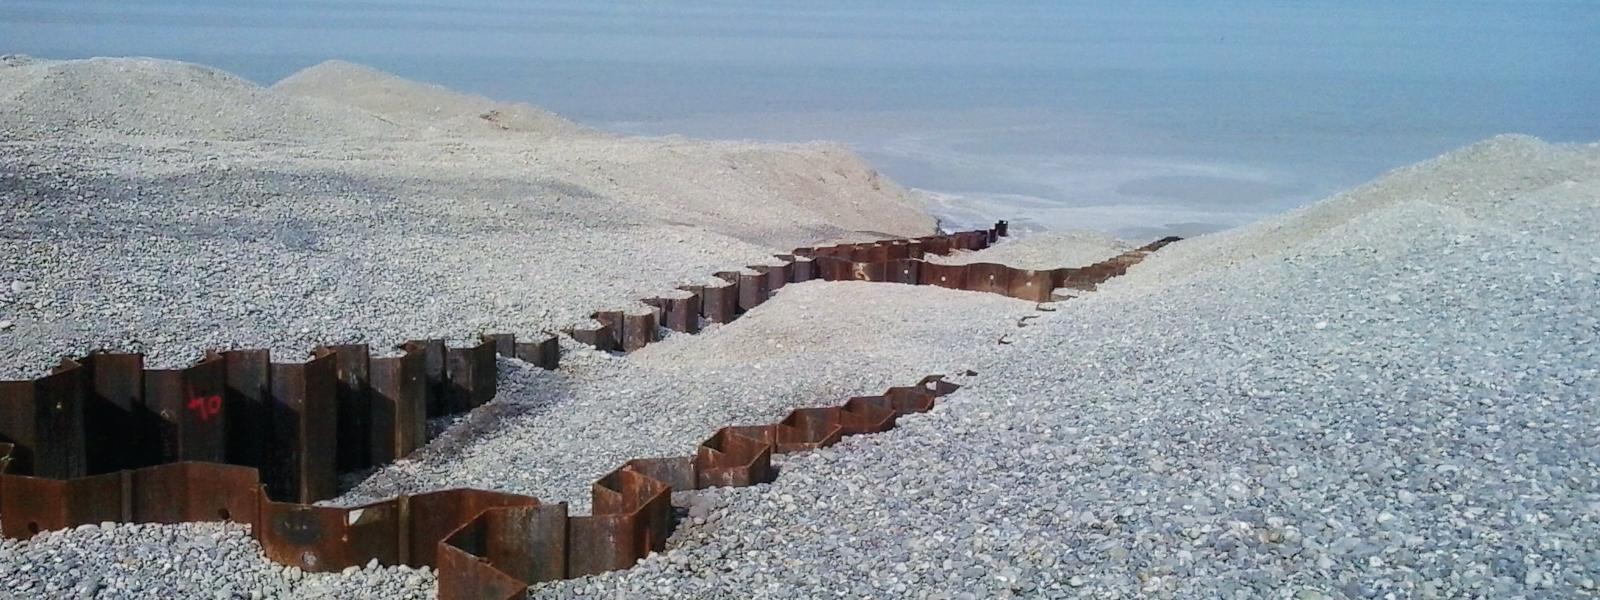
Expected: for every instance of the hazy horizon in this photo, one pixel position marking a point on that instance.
(1139, 118)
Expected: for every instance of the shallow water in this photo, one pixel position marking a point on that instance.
(1140, 118)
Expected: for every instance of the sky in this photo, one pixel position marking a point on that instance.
(1139, 117)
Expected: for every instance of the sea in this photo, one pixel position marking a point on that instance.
(1136, 117)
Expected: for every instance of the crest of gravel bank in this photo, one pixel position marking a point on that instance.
(1398, 405)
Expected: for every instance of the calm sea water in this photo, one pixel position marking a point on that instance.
(1138, 117)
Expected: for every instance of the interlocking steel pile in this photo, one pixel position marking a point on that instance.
(237, 437)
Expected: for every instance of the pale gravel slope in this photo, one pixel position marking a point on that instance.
(1397, 403)
(803, 348)
(171, 208)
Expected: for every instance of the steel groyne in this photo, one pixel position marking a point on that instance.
(239, 437)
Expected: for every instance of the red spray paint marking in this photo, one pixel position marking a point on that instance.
(206, 407)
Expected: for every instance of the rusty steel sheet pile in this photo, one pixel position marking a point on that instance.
(298, 423)
(239, 437)
(502, 551)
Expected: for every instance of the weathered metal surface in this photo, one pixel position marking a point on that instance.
(752, 290)
(638, 331)
(731, 458)
(720, 304)
(601, 336)
(1031, 285)
(43, 418)
(942, 275)
(431, 517)
(545, 353)
(320, 538)
(193, 491)
(682, 314)
(305, 409)
(470, 375)
(988, 277)
(34, 504)
(248, 403)
(355, 404)
(193, 417)
(632, 516)
(118, 431)
(903, 270)
(399, 404)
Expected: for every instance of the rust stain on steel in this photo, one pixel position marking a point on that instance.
(43, 419)
(545, 353)
(321, 538)
(399, 404)
(248, 402)
(185, 492)
(354, 422)
(34, 504)
(431, 517)
(305, 407)
(470, 375)
(114, 414)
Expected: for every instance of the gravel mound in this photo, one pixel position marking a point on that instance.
(417, 105)
(43, 100)
(802, 348)
(1478, 180)
(1400, 403)
(1043, 250)
(190, 560)
(180, 239)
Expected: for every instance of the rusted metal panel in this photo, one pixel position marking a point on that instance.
(677, 472)
(355, 437)
(399, 404)
(35, 504)
(802, 270)
(905, 270)
(433, 357)
(117, 428)
(43, 419)
(752, 290)
(1000, 228)
(466, 574)
(505, 344)
(866, 414)
(187, 492)
(602, 337)
(989, 277)
(778, 276)
(613, 322)
(682, 314)
(897, 250)
(189, 402)
(304, 423)
(632, 515)
(638, 331)
(732, 459)
(828, 268)
(322, 539)
(471, 374)
(431, 517)
(248, 404)
(1031, 285)
(942, 275)
(545, 353)
(720, 304)
(869, 271)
